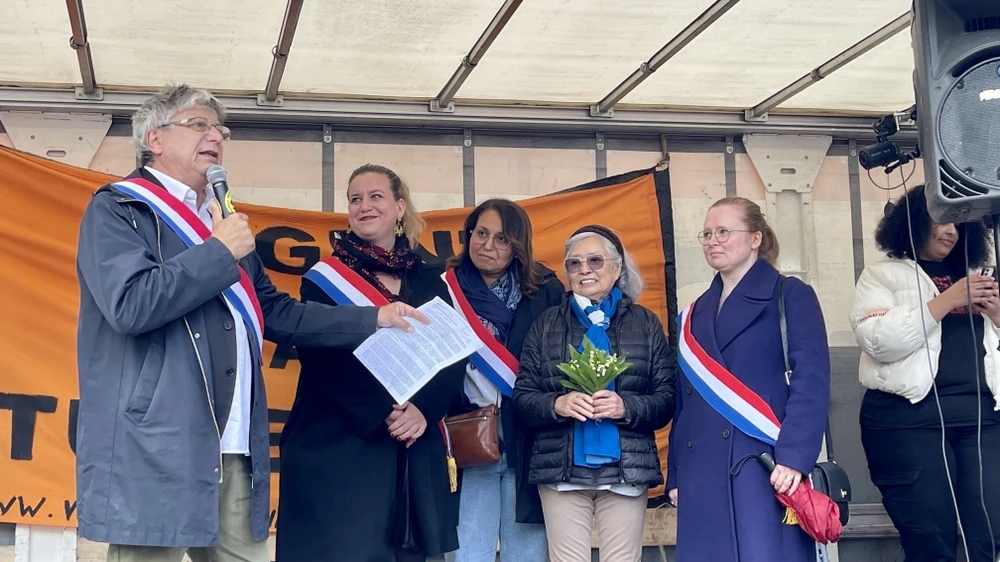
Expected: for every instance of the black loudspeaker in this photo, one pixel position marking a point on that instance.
(956, 48)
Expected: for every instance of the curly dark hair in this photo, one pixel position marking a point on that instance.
(893, 238)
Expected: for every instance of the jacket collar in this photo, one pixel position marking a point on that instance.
(142, 172)
(913, 265)
(119, 196)
(703, 320)
(744, 304)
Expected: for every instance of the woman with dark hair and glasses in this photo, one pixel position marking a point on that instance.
(595, 457)
(731, 339)
(507, 290)
(930, 365)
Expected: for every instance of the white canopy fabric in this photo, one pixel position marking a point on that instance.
(563, 52)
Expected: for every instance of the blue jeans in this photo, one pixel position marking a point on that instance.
(486, 511)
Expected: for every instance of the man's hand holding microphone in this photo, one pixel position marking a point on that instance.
(233, 230)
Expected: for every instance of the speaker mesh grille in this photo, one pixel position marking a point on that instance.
(982, 24)
(953, 187)
(969, 133)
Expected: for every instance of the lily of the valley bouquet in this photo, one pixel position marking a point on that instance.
(592, 369)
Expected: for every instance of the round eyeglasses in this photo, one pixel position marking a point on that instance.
(482, 236)
(721, 235)
(200, 125)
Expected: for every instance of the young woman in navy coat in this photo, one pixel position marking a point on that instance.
(726, 510)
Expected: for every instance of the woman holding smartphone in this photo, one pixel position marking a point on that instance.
(931, 366)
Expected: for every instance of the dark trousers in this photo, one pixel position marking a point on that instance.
(908, 467)
(408, 556)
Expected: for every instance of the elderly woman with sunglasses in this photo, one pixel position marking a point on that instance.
(595, 456)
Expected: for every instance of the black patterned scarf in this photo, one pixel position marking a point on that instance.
(366, 259)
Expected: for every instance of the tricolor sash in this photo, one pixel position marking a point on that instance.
(346, 287)
(492, 359)
(242, 295)
(343, 284)
(743, 407)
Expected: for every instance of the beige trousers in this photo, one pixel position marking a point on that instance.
(569, 518)
(236, 542)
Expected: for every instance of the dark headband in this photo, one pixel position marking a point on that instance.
(606, 233)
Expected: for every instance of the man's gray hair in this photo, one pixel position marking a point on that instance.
(158, 110)
(630, 281)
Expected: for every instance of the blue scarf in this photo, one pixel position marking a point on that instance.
(596, 444)
(493, 305)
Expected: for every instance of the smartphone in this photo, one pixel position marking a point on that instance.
(986, 272)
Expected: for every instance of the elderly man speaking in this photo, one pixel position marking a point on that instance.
(173, 449)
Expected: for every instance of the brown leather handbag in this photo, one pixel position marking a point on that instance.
(475, 437)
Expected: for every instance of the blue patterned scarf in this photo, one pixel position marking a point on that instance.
(493, 305)
(596, 444)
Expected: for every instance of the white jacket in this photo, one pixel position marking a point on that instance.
(886, 322)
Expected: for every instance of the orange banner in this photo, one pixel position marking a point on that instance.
(41, 203)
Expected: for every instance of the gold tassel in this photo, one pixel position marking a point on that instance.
(791, 518)
(453, 474)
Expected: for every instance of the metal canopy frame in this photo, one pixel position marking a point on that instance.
(78, 42)
(443, 101)
(291, 20)
(759, 111)
(481, 115)
(391, 114)
(442, 112)
(604, 107)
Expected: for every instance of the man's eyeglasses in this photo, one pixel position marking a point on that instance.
(573, 265)
(482, 236)
(720, 234)
(200, 125)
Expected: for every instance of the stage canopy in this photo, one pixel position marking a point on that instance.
(725, 55)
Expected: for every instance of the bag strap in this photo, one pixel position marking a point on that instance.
(784, 327)
(783, 322)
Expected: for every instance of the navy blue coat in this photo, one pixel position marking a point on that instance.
(726, 518)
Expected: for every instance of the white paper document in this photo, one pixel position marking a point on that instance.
(404, 362)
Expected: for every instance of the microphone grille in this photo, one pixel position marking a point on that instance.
(215, 174)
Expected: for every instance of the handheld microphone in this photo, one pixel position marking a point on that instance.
(216, 176)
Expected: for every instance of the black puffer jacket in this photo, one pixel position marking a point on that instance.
(646, 388)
